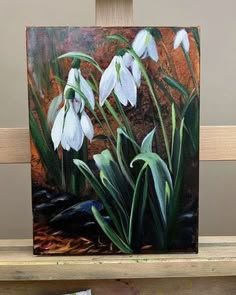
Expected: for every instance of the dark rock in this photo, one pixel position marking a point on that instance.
(77, 217)
(41, 196)
(45, 210)
(64, 200)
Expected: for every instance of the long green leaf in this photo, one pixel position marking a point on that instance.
(49, 159)
(146, 145)
(137, 210)
(81, 56)
(123, 158)
(180, 146)
(118, 38)
(46, 133)
(173, 121)
(110, 232)
(195, 31)
(100, 191)
(175, 84)
(106, 163)
(158, 232)
(160, 174)
(119, 206)
(53, 108)
(167, 94)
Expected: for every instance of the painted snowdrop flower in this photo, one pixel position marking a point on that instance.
(118, 78)
(144, 45)
(68, 129)
(75, 77)
(181, 37)
(72, 123)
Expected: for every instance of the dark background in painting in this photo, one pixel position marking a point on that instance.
(44, 45)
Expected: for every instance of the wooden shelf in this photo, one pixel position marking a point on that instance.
(217, 257)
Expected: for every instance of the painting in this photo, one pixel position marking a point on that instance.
(114, 133)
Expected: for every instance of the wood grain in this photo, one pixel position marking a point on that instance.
(14, 145)
(174, 286)
(114, 12)
(216, 143)
(217, 257)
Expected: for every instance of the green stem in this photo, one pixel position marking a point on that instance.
(101, 125)
(190, 67)
(126, 121)
(170, 60)
(63, 182)
(113, 113)
(106, 120)
(151, 89)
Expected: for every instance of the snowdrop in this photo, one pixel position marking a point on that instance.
(69, 128)
(118, 78)
(181, 37)
(144, 45)
(75, 77)
(72, 123)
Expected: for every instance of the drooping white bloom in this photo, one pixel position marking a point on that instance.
(68, 129)
(72, 123)
(144, 45)
(181, 37)
(76, 79)
(118, 78)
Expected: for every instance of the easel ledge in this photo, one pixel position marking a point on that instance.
(212, 271)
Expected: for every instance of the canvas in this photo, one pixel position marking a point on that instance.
(114, 125)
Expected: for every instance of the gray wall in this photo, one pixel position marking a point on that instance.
(218, 88)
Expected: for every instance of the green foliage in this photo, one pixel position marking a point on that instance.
(81, 56)
(48, 156)
(53, 108)
(128, 196)
(118, 37)
(175, 84)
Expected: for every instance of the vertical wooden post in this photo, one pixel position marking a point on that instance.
(114, 12)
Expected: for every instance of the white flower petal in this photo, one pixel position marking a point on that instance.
(72, 129)
(127, 59)
(87, 90)
(87, 126)
(57, 128)
(120, 94)
(139, 44)
(179, 38)
(78, 140)
(128, 85)
(77, 103)
(152, 49)
(64, 143)
(107, 82)
(71, 81)
(136, 73)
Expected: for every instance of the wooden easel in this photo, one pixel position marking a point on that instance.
(212, 271)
